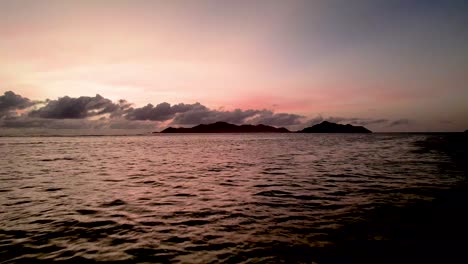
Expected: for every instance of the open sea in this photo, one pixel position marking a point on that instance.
(230, 198)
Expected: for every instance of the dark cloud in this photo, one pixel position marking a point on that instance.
(9, 102)
(123, 106)
(267, 117)
(75, 108)
(161, 112)
(101, 113)
(400, 122)
(204, 115)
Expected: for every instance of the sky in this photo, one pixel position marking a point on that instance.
(397, 65)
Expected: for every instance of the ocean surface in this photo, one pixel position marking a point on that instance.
(211, 198)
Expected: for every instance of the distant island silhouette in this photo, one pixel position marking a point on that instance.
(328, 127)
(224, 127)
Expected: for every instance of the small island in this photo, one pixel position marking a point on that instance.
(328, 127)
(223, 127)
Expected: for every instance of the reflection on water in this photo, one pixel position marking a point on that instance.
(202, 198)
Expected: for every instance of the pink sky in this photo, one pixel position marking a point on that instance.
(301, 57)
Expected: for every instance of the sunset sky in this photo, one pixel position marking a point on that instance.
(389, 65)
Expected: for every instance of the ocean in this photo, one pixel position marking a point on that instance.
(228, 198)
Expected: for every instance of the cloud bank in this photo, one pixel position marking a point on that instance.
(98, 112)
(75, 108)
(11, 102)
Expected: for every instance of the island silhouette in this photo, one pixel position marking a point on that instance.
(329, 127)
(224, 127)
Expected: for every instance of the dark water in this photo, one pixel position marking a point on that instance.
(238, 198)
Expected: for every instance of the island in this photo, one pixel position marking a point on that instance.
(328, 127)
(223, 127)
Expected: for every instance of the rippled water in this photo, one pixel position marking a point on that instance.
(202, 198)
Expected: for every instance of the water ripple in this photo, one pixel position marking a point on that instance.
(203, 198)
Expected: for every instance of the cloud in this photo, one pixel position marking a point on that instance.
(122, 115)
(267, 117)
(67, 112)
(204, 115)
(161, 112)
(123, 107)
(400, 122)
(101, 113)
(76, 108)
(10, 102)
(316, 120)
